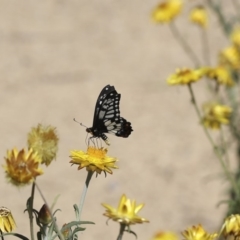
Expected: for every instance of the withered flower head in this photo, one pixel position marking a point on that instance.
(7, 223)
(44, 140)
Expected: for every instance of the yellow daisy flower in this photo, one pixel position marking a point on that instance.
(7, 223)
(198, 233)
(235, 37)
(220, 74)
(165, 236)
(95, 159)
(22, 167)
(231, 226)
(185, 76)
(44, 141)
(230, 57)
(126, 213)
(199, 16)
(215, 115)
(167, 11)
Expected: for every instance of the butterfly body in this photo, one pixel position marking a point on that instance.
(107, 116)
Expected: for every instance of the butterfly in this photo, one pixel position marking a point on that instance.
(107, 116)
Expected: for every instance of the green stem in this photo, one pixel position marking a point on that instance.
(30, 212)
(224, 144)
(215, 148)
(218, 11)
(121, 231)
(184, 45)
(50, 211)
(2, 237)
(83, 196)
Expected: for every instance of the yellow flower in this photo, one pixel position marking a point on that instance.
(44, 141)
(235, 37)
(199, 16)
(220, 74)
(230, 57)
(231, 226)
(94, 159)
(198, 233)
(185, 76)
(165, 236)
(215, 115)
(22, 167)
(7, 223)
(167, 11)
(126, 213)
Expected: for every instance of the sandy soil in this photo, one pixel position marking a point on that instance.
(55, 58)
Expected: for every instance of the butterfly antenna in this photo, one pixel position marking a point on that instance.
(79, 123)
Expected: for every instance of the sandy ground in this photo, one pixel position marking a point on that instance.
(56, 56)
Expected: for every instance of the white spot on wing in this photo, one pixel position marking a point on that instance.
(101, 114)
(110, 116)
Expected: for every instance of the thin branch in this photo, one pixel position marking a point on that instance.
(30, 213)
(52, 217)
(184, 45)
(205, 47)
(83, 196)
(215, 148)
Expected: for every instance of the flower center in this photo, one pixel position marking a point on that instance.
(97, 152)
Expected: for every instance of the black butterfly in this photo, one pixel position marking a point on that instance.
(107, 116)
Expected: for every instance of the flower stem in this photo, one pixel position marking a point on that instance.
(30, 213)
(88, 179)
(216, 7)
(184, 44)
(215, 148)
(50, 211)
(121, 231)
(2, 237)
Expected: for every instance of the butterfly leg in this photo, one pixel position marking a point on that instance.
(91, 140)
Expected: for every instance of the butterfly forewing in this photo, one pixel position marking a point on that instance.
(107, 115)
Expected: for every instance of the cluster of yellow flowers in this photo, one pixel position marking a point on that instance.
(22, 168)
(168, 10)
(230, 230)
(215, 114)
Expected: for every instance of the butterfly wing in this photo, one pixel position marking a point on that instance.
(107, 115)
(104, 102)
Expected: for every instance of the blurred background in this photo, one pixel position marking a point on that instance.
(55, 57)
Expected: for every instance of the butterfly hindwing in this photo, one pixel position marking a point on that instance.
(107, 115)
